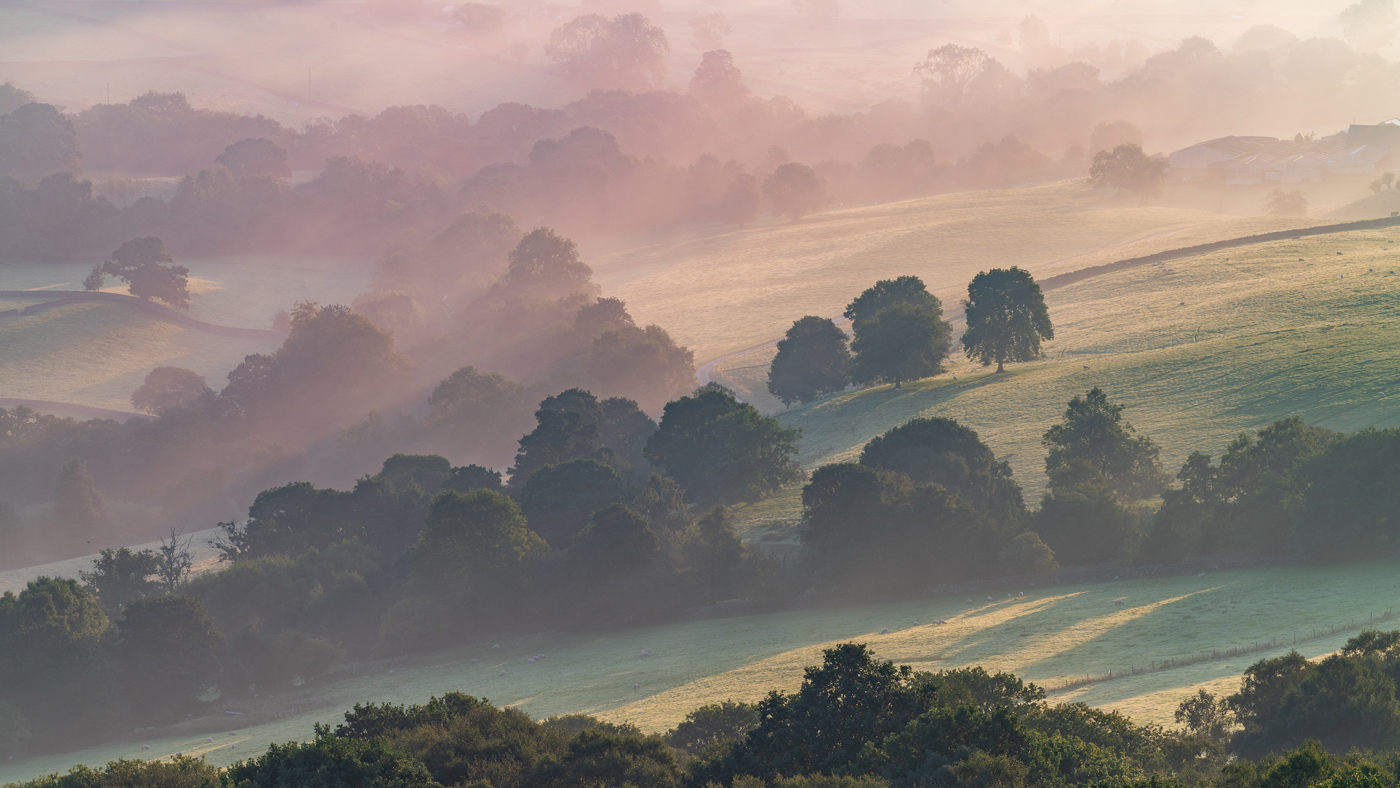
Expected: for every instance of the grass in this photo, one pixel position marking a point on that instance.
(97, 353)
(1050, 635)
(720, 292)
(1198, 350)
(14, 580)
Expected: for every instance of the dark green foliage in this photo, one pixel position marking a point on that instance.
(851, 701)
(881, 532)
(1027, 555)
(559, 499)
(1006, 317)
(987, 691)
(1205, 716)
(473, 477)
(1093, 431)
(559, 437)
(722, 451)
(813, 360)
(170, 654)
(332, 761)
(14, 731)
(900, 343)
(428, 471)
(908, 343)
(119, 577)
(941, 451)
(146, 267)
(661, 502)
(180, 771)
(717, 557)
(617, 572)
(1348, 495)
(716, 725)
(289, 520)
(269, 663)
(597, 758)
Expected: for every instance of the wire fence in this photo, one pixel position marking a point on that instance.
(1154, 666)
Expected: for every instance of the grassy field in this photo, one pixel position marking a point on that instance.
(98, 353)
(1198, 350)
(719, 292)
(14, 580)
(1049, 635)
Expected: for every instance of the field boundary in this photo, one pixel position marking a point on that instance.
(1070, 277)
(65, 297)
(1214, 655)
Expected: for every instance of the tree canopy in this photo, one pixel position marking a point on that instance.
(813, 360)
(1006, 317)
(143, 264)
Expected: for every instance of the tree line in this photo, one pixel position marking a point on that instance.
(855, 722)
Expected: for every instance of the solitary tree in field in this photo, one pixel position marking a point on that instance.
(795, 190)
(813, 360)
(1282, 203)
(1006, 317)
(1126, 167)
(900, 333)
(145, 266)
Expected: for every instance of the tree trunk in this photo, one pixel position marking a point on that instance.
(1000, 368)
(896, 385)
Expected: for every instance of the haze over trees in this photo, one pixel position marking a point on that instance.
(1127, 168)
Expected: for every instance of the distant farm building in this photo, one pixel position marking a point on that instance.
(1243, 161)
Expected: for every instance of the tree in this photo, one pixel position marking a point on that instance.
(850, 700)
(473, 477)
(1006, 317)
(905, 290)
(330, 760)
(1206, 717)
(546, 265)
(713, 725)
(1127, 167)
(1094, 433)
(141, 263)
(481, 412)
(948, 71)
(558, 500)
(560, 436)
(37, 140)
(255, 158)
(626, 52)
(721, 450)
(77, 504)
(474, 540)
(174, 561)
(616, 570)
(900, 343)
(942, 451)
(1027, 555)
(168, 387)
(718, 82)
(1282, 203)
(120, 577)
(813, 360)
(716, 554)
(796, 190)
(644, 363)
(170, 650)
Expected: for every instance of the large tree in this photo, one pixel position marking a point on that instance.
(145, 266)
(546, 265)
(1094, 432)
(813, 360)
(947, 72)
(1006, 317)
(721, 450)
(169, 650)
(559, 499)
(900, 333)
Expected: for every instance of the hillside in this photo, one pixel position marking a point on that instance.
(722, 291)
(96, 354)
(1198, 350)
(1049, 635)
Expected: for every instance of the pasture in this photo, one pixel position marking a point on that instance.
(98, 353)
(1198, 350)
(1049, 635)
(722, 291)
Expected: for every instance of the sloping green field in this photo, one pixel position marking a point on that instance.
(719, 292)
(98, 353)
(1049, 635)
(1198, 349)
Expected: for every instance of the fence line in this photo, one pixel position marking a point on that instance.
(1213, 655)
